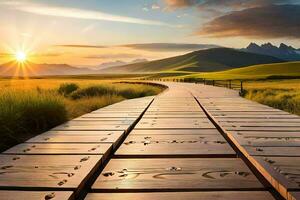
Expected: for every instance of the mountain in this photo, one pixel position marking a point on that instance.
(33, 69)
(284, 51)
(117, 63)
(170, 46)
(110, 64)
(208, 60)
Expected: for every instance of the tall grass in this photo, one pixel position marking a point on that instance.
(28, 112)
(86, 105)
(24, 114)
(67, 88)
(284, 99)
(127, 91)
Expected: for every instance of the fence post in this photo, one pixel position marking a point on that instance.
(229, 84)
(242, 89)
(213, 82)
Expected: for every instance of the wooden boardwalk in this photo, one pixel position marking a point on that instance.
(190, 142)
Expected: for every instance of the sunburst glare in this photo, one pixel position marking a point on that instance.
(21, 56)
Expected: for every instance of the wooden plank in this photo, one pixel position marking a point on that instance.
(267, 138)
(122, 120)
(259, 121)
(174, 123)
(281, 172)
(60, 149)
(274, 151)
(294, 196)
(175, 146)
(112, 115)
(96, 122)
(256, 117)
(176, 174)
(50, 195)
(265, 124)
(220, 195)
(91, 128)
(78, 137)
(271, 128)
(174, 132)
(53, 172)
(170, 138)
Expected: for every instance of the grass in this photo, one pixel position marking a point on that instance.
(30, 107)
(281, 94)
(23, 115)
(266, 71)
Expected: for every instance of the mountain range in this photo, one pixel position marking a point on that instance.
(33, 69)
(204, 60)
(117, 63)
(215, 59)
(283, 52)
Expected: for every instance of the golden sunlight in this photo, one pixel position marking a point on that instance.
(21, 56)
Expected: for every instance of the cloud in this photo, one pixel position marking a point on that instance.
(112, 56)
(80, 46)
(181, 3)
(275, 21)
(169, 46)
(43, 9)
(155, 7)
(217, 6)
(47, 54)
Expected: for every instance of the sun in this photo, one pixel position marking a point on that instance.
(21, 56)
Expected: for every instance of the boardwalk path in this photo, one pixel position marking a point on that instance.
(191, 142)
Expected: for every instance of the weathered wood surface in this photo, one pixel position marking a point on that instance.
(268, 137)
(28, 195)
(62, 159)
(78, 137)
(176, 174)
(183, 195)
(175, 145)
(51, 171)
(194, 154)
(60, 149)
(175, 132)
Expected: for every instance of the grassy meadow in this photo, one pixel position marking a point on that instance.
(32, 106)
(281, 94)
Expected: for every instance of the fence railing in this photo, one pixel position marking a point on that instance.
(230, 84)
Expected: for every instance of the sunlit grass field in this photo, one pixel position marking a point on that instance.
(281, 94)
(29, 107)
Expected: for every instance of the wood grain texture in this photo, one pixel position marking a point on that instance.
(211, 131)
(220, 195)
(78, 137)
(46, 171)
(175, 145)
(176, 174)
(19, 195)
(60, 149)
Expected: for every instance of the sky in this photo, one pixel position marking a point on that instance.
(91, 32)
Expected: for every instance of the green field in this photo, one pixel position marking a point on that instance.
(279, 70)
(281, 94)
(30, 107)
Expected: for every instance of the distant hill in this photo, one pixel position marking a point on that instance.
(277, 71)
(209, 60)
(284, 52)
(32, 69)
(116, 63)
